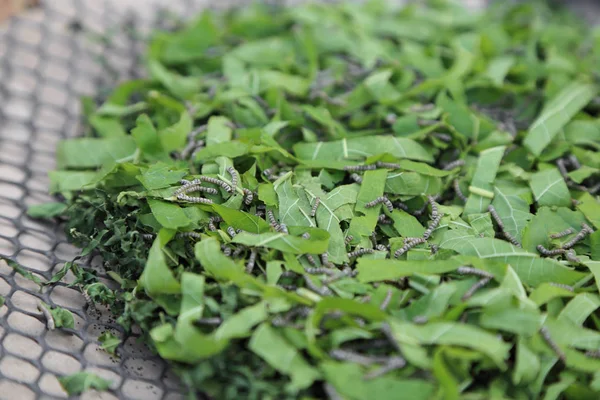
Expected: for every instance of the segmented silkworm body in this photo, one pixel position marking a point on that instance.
(313, 211)
(381, 247)
(580, 236)
(382, 164)
(269, 173)
(147, 236)
(282, 228)
(507, 235)
(198, 188)
(212, 221)
(393, 364)
(194, 235)
(360, 167)
(48, 315)
(409, 244)
(444, 137)
(354, 357)
(360, 252)
(563, 286)
(234, 178)
(570, 256)
(331, 393)
(325, 258)
(191, 199)
(478, 285)
(386, 301)
(248, 196)
(216, 181)
(458, 191)
(319, 271)
(288, 287)
(474, 271)
(593, 353)
(306, 235)
(272, 221)
(381, 200)
(435, 222)
(323, 290)
(564, 233)
(356, 178)
(231, 231)
(251, 261)
(311, 259)
(454, 164)
(209, 321)
(544, 251)
(185, 184)
(422, 209)
(548, 339)
(383, 219)
(226, 250)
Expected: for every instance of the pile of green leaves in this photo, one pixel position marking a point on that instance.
(475, 277)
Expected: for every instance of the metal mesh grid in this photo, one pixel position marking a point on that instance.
(50, 57)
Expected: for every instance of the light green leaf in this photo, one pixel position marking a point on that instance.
(157, 278)
(556, 114)
(549, 188)
(81, 382)
(485, 173)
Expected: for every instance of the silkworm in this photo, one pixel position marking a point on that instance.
(384, 220)
(432, 226)
(409, 244)
(209, 321)
(306, 235)
(571, 257)
(422, 209)
(381, 247)
(369, 167)
(212, 221)
(580, 236)
(544, 251)
(394, 363)
(348, 239)
(194, 235)
(474, 271)
(226, 250)
(325, 258)
(420, 319)
(216, 181)
(331, 393)
(288, 287)
(356, 178)
(593, 353)
(185, 184)
(560, 164)
(354, 357)
(313, 211)
(230, 231)
(401, 206)
(434, 248)
(386, 301)
(319, 271)
(478, 285)
(564, 233)
(251, 261)
(311, 259)
(454, 164)
(548, 339)
(234, 178)
(238, 250)
(381, 164)
(458, 191)
(248, 196)
(359, 252)
(391, 118)
(282, 228)
(444, 137)
(147, 236)
(48, 315)
(422, 107)
(563, 286)
(91, 305)
(272, 221)
(190, 199)
(197, 188)
(507, 235)
(268, 173)
(381, 199)
(323, 290)
(281, 320)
